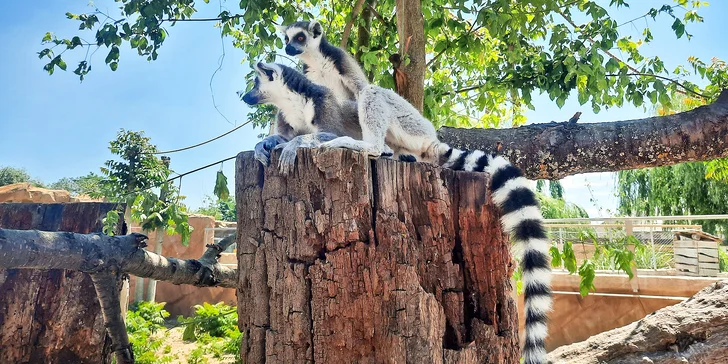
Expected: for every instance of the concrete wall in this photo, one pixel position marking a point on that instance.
(181, 299)
(575, 318)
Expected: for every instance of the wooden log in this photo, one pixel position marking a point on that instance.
(51, 316)
(693, 331)
(368, 261)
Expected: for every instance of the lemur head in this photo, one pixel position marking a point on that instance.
(268, 84)
(275, 83)
(302, 37)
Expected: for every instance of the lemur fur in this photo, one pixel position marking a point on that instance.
(324, 64)
(308, 114)
(388, 119)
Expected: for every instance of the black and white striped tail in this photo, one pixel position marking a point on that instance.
(523, 221)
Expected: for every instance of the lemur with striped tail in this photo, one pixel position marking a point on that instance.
(308, 115)
(388, 119)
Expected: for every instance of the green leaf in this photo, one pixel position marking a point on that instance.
(555, 256)
(679, 28)
(189, 333)
(612, 65)
(587, 273)
(110, 222)
(569, 257)
(221, 188)
(45, 53)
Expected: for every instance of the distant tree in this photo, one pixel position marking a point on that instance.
(10, 175)
(89, 185)
(131, 180)
(220, 209)
(553, 205)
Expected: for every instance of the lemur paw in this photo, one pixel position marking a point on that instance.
(263, 148)
(287, 160)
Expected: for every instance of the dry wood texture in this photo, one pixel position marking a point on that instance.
(693, 331)
(51, 316)
(352, 260)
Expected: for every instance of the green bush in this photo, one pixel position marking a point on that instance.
(723, 259)
(142, 320)
(215, 329)
(215, 320)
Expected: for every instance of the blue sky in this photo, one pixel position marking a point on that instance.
(55, 126)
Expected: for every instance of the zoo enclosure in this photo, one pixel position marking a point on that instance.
(656, 233)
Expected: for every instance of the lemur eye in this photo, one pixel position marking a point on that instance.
(286, 39)
(300, 38)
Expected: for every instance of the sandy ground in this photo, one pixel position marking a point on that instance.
(181, 349)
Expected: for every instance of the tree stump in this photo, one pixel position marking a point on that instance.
(356, 260)
(51, 316)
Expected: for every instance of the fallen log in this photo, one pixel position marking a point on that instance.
(693, 331)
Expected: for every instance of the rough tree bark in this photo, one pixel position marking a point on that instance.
(352, 260)
(693, 331)
(557, 150)
(51, 316)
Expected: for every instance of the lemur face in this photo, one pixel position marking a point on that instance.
(301, 37)
(268, 84)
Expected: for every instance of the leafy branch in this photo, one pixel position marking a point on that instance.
(679, 29)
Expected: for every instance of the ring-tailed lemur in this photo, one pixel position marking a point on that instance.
(386, 117)
(308, 114)
(324, 63)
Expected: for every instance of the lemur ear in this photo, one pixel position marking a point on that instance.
(315, 28)
(266, 69)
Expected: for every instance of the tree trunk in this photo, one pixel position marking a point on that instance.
(51, 316)
(693, 331)
(352, 260)
(557, 150)
(411, 31)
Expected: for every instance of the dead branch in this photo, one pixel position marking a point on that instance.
(556, 150)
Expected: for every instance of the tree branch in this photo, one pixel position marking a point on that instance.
(556, 150)
(350, 22)
(630, 67)
(106, 284)
(94, 253)
(377, 15)
(222, 18)
(636, 74)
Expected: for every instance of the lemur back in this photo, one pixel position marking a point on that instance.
(324, 63)
(386, 117)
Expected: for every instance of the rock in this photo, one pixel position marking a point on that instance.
(25, 192)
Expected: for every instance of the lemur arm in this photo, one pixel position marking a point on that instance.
(284, 133)
(288, 157)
